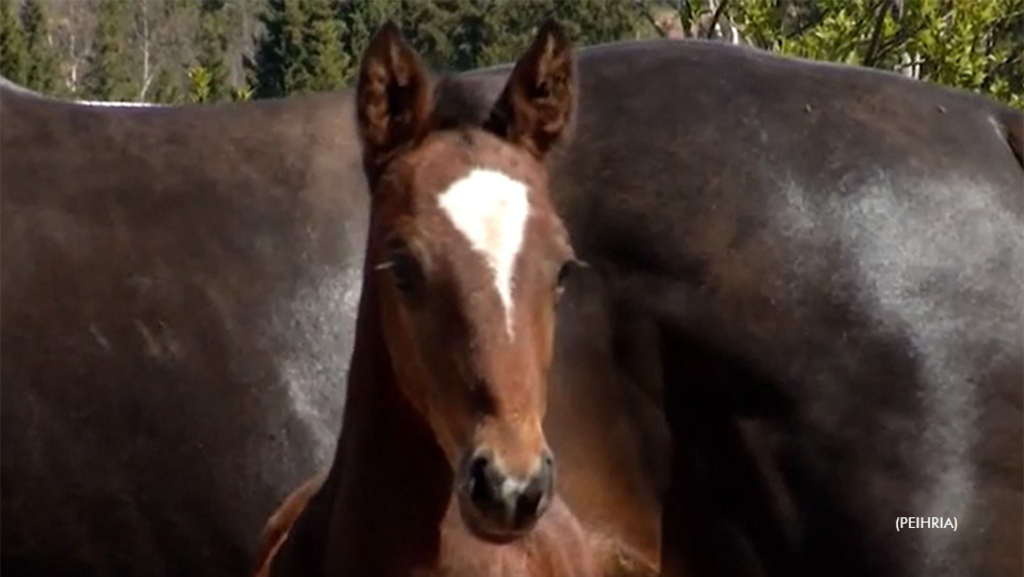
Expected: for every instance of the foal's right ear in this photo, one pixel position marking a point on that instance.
(392, 98)
(535, 110)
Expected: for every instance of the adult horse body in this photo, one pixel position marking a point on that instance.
(177, 318)
(825, 262)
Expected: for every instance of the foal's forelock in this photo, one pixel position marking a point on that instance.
(490, 209)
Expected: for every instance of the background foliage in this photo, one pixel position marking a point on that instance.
(173, 51)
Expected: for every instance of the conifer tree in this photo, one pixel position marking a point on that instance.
(427, 26)
(166, 88)
(199, 81)
(241, 94)
(211, 50)
(359, 20)
(278, 51)
(597, 21)
(300, 50)
(14, 58)
(516, 23)
(109, 75)
(325, 64)
(476, 27)
(42, 73)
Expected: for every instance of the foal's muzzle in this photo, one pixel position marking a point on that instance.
(499, 506)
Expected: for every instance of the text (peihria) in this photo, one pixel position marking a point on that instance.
(925, 523)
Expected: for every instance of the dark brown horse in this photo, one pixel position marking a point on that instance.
(816, 267)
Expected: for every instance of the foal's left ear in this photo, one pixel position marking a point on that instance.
(393, 99)
(535, 109)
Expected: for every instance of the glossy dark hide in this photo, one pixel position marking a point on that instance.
(834, 261)
(199, 295)
(829, 258)
(177, 304)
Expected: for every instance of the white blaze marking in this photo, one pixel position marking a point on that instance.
(490, 210)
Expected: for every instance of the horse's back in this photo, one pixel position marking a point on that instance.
(175, 329)
(846, 247)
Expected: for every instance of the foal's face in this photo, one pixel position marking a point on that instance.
(471, 256)
(474, 256)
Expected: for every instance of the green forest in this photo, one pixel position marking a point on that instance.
(177, 51)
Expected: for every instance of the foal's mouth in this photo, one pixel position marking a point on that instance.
(498, 531)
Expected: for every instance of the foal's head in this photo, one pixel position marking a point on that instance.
(472, 257)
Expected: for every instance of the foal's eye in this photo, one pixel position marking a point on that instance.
(405, 271)
(404, 267)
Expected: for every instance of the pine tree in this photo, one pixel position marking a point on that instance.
(211, 48)
(166, 88)
(300, 50)
(109, 76)
(241, 94)
(325, 64)
(42, 73)
(199, 80)
(14, 56)
(359, 20)
(273, 68)
(597, 21)
(475, 26)
(427, 26)
(515, 25)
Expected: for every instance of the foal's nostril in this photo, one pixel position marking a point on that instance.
(548, 467)
(528, 503)
(482, 485)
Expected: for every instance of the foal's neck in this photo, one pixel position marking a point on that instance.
(382, 509)
(392, 482)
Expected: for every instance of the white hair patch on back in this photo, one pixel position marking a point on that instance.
(490, 210)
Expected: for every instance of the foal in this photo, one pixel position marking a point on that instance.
(442, 467)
